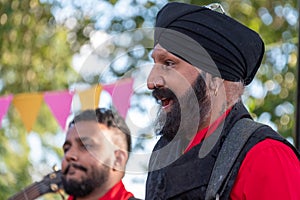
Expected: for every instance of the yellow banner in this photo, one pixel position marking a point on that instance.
(28, 106)
(90, 98)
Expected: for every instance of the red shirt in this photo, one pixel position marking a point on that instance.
(118, 192)
(270, 170)
(204, 132)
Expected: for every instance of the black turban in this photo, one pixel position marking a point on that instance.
(209, 40)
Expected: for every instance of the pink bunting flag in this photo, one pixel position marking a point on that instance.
(120, 92)
(59, 103)
(4, 105)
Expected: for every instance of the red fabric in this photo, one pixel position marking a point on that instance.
(270, 170)
(118, 192)
(203, 133)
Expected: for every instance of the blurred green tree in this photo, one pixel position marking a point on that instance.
(35, 57)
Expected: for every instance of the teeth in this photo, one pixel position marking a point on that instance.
(165, 102)
(161, 101)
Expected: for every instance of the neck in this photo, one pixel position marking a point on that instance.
(99, 191)
(218, 108)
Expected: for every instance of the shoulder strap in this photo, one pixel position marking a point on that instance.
(230, 150)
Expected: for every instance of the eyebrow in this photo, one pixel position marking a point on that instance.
(161, 56)
(79, 140)
(84, 139)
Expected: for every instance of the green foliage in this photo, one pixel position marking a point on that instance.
(34, 57)
(274, 22)
(34, 53)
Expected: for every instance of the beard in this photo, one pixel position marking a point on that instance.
(186, 113)
(95, 179)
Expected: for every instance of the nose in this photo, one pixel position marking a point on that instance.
(71, 155)
(155, 78)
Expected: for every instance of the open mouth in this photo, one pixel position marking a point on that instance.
(166, 102)
(165, 97)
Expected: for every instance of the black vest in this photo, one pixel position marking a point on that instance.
(187, 177)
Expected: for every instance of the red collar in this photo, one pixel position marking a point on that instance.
(200, 135)
(118, 192)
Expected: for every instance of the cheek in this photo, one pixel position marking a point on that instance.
(98, 162)
(105, 163)
(64, 163)
(99, 157)
(191, 74)
(181, 82)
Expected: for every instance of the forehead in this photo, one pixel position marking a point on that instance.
(159, 54)
(159, 50)
(90, 129)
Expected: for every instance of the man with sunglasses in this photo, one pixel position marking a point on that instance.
(210, 147)
(96, 151)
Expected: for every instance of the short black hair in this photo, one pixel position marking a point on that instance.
(107, 117)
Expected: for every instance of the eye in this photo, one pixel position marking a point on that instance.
(87, 146)
(66, 148)
(169, 63)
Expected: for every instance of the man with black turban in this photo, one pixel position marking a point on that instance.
(210, 147)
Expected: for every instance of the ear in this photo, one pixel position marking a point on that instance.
(214, 83)
(120, 161)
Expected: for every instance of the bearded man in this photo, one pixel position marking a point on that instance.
(203, 60)
(96, 151)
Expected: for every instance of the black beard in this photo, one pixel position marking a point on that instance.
(170, 124)
(94, 180)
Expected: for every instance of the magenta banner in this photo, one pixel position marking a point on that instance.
(4, 105)
(59, 103)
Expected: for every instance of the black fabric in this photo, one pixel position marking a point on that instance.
(231, 148)
(188, 176)
(210, 41)
(133, 198)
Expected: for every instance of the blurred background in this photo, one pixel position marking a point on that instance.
(53, 46)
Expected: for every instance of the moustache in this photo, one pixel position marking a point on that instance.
(76, 166)
(160, 93)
